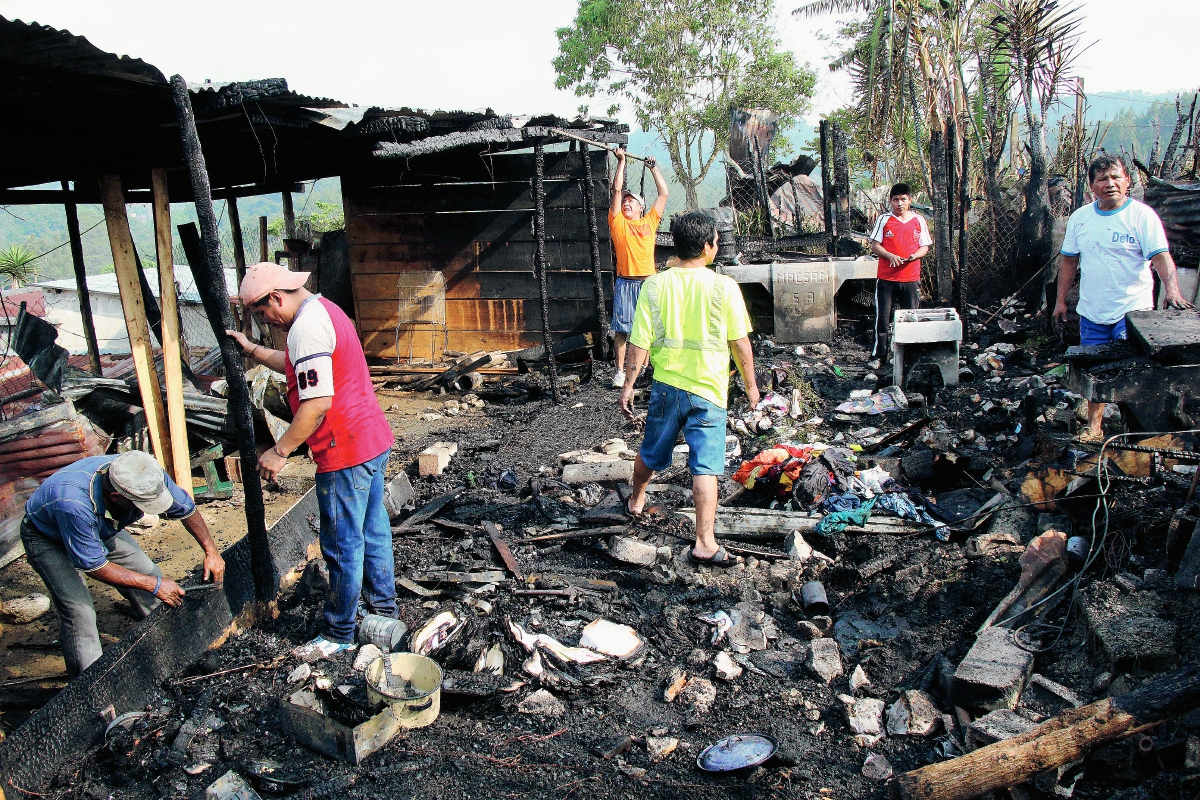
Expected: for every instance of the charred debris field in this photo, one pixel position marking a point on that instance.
(870, 684)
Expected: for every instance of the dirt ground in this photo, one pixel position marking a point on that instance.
(904, 609)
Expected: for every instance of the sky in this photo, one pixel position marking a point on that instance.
(468, 54)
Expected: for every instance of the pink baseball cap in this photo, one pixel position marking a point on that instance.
(263, 278)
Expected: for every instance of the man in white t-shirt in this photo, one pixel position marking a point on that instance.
(1112, 244)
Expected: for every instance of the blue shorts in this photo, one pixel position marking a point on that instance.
(625, 297)
(1093, 333)
(702, 423)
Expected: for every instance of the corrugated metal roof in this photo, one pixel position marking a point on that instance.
(35, 45)
(107, 283)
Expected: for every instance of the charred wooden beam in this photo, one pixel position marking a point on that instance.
(943, 252)
(539, 228)
(436, 144)
(85, 298)
(1061, 740)
(589, 209)
(827, 184)
(41, 197)
(210, 283)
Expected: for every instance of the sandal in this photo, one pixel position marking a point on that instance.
(629, 512)
(1087, 436)
(721, 558)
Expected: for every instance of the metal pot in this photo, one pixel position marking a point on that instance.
(410, 684)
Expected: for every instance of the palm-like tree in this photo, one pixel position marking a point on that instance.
(16, 264)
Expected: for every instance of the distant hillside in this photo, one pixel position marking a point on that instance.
(43, 228)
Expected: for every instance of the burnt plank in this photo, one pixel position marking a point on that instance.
(474, 164)
(518, 256)
(366, 227)
(487, 285)
(486, 315)
(382, 344)
(499, 196)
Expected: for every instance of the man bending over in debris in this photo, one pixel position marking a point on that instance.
(1109, 243)
(688, 319)
(632, 237)
(900, 238)
(335, 412)
(75, 523)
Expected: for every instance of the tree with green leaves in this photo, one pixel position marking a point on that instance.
(683, 65)
(16, 265)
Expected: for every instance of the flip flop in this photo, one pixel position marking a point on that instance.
(629, 512)
(721, 558)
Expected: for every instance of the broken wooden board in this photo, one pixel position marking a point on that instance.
(765, 523)
(503, 550)
(429, 510)
(479, 576)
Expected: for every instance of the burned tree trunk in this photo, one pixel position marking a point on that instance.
(589, 209)
(841, 182)
(539, 232)
(210, 282)
(827, 184)
(943, 252)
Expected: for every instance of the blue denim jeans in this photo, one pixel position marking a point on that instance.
(703, 424)
(356, 540)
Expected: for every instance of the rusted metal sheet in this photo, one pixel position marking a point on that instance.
(1178, 206)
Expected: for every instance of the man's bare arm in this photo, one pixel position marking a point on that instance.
(214, 565)
(1164, 265)
(1068, 266)
(743, 356)
(618, 184)
(660, 184)
(169, 591)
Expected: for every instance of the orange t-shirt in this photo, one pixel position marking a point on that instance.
(633, 243)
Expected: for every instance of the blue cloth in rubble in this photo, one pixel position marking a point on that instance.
(902, 507)
(840, 520)
(840, 502)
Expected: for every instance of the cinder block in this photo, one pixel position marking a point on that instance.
(398, 495)
(435, 458)
(994, 672)
(598, 472)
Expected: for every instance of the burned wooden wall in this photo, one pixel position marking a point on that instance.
(469, 215)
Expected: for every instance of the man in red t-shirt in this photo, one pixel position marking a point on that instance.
(336, 414)
(900, 238)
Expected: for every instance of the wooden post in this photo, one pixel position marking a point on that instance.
(239, 259)
(1057, 741)
(125, 266)
(589, 210)
(841, 181)
(263, 255)
(1014, 145)
(172, 362)
(289, 216)
(539, 232)
(827, 184)
(85, 298)
(1081, 158)
(941, 216)
(210, 283)
(964, 206)
(951, 203)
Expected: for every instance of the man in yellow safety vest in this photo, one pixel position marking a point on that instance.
(688, 320)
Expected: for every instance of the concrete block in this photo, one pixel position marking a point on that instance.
(618, 470)
(994, 672)
(997, 726)
(398, 495)
(632, 551)
(434, 459)
(803, 294)
(1129, 629)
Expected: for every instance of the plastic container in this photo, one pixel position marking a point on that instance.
(410, 684)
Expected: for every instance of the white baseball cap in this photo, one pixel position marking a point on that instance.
(635, 196)
(141, 481)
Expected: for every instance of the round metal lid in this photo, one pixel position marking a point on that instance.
(737, 752)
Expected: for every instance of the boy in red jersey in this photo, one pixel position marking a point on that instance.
(900, 238)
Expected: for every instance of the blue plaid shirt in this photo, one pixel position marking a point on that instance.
(69, 508)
